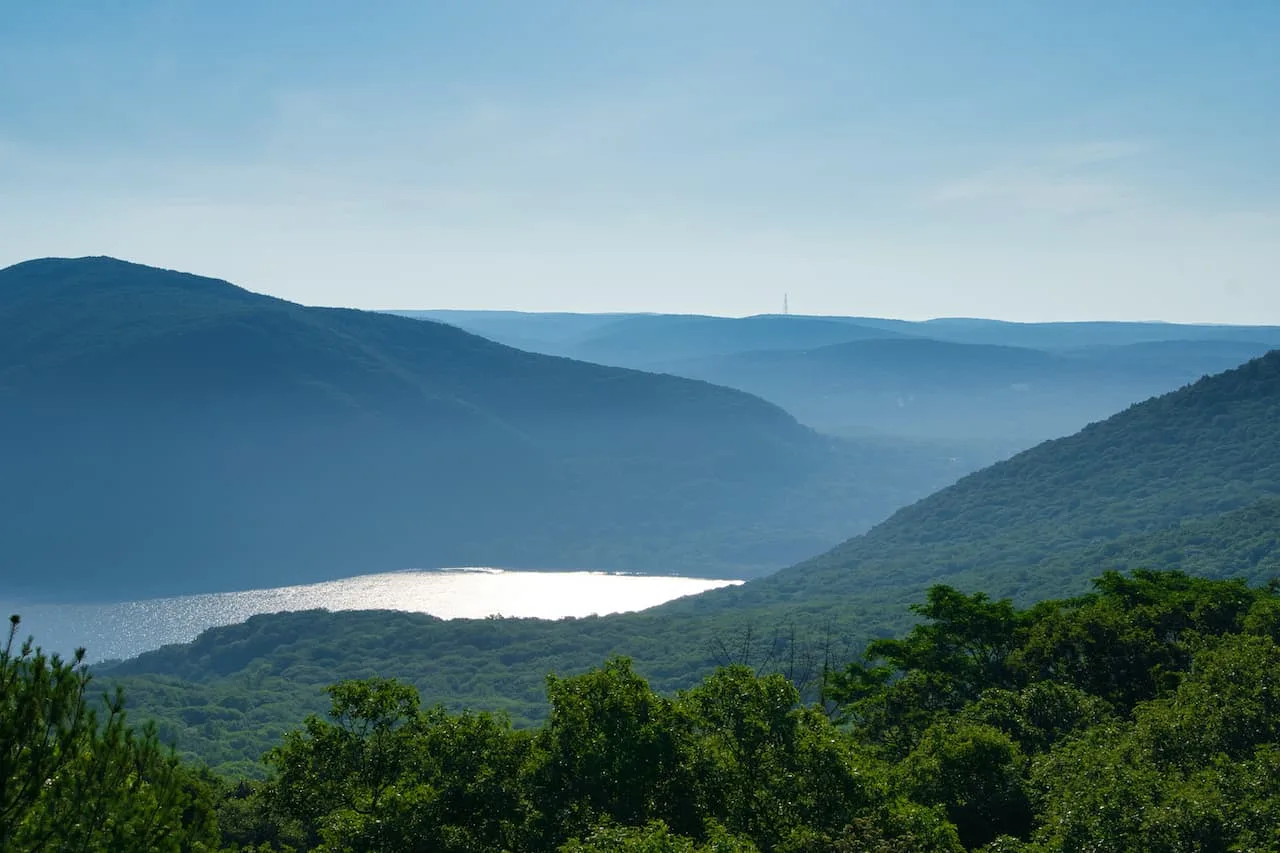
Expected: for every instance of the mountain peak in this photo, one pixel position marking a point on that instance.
(101, 270)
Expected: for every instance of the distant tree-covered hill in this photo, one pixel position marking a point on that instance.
(1190, 481)
(649, 336)
(941, 390)
(166, 433)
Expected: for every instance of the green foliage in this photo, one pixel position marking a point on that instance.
(1142, 716)
(765, 767)
(381, 774)
(736, 764)
(976, 772)
(612, 750)
(654, 837)
(72, 781)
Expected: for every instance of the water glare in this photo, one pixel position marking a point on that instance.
(126, 629)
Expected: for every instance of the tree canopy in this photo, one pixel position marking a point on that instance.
(1143, 715)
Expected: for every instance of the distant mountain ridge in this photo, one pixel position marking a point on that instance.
(173, 433)
(999, 387)
(565, 331)
(933, 389)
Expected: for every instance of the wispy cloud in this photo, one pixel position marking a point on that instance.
(1080, 154)
(1072, 179)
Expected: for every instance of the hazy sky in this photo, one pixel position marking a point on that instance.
(1022, 159)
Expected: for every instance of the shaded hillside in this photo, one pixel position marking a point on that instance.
(171, 433)
(1189, 480)
(551, 333)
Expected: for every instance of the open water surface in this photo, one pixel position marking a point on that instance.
(126, 629)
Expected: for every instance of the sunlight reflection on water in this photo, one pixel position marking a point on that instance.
(129, 628)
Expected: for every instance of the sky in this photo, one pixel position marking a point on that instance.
(1015, 159)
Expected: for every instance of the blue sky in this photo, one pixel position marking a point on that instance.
(1024, 160)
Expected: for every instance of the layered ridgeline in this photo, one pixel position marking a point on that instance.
(1190, 480)
(649, 339)
(166, 433)
(963, 392)
(980, 385)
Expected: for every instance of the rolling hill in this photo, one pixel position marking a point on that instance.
(1189, 480)
(170, 433)
(983, 389)
(651, 342)
(642, 341)
(941, 390)
(649, 336)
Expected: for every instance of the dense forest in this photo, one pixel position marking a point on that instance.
(1140, 716)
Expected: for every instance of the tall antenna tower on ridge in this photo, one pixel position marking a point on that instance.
(785, 308)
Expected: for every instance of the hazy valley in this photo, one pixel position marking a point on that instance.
(176, 435)
(662, 427)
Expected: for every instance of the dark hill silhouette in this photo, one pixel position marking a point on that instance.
(171, 433)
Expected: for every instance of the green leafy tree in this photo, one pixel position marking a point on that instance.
(383, 775)
(612, 750)
(655, 837)
(903, 685)
(976, 773)
(1127, 642)
(767, 767)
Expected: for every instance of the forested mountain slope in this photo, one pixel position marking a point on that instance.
(1206, 449)
(168, 433)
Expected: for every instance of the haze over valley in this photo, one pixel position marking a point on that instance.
(569, 427)
(209, 439)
